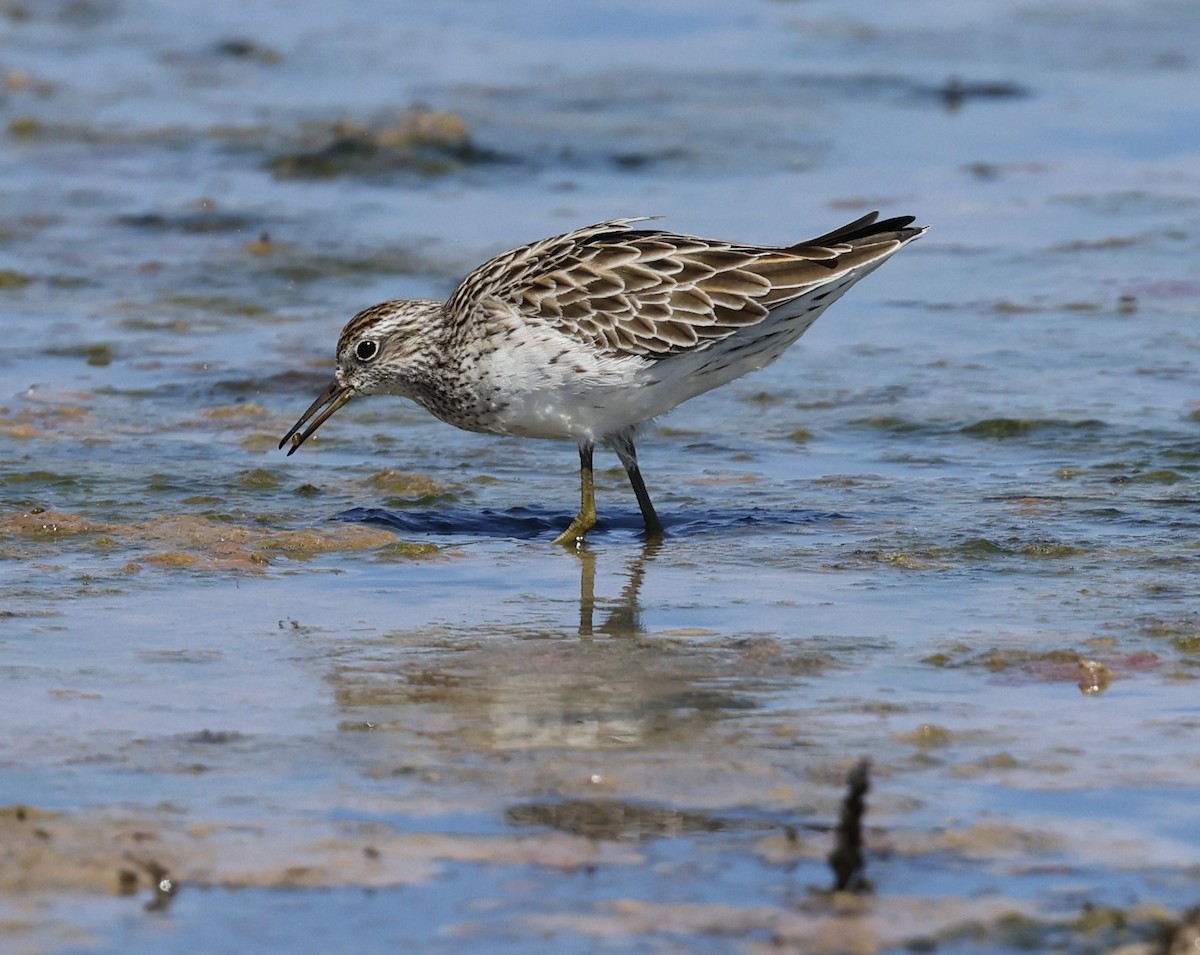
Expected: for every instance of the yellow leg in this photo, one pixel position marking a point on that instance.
(586, 519)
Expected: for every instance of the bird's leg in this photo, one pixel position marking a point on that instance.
(622, 443)
(586, 518)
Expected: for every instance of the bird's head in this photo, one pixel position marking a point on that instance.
(380, 351)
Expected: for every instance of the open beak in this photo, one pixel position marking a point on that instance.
(333, 397)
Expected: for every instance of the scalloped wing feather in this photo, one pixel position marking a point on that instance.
(655, 294)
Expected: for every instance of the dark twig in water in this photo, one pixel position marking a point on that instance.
(846, 859)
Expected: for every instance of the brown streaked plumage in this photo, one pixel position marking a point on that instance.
(587, 335)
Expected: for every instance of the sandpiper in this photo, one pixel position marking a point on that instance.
(587, 335)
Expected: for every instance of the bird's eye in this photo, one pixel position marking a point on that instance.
(366, 349)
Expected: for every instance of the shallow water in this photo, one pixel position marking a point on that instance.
(354, 698)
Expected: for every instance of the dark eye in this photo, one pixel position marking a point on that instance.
(366, 349)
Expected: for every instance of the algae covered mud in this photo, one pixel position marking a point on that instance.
(354, 698)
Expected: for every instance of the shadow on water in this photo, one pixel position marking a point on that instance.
(531, 523)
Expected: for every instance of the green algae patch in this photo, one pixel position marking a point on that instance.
(43, 479)
(10, 279)
(1091, 674)
(985, 548)
(246, 413)
(865, 557)
(906, 560)
(1050, 549)
(426, 142)
(25, 127)
(65, 416)
(230, 559)
(221, 545)
(340, 538)
(1048, 665)
(173, 558)
(928, 736)
(97, 354)
(406, 483)
(408, 489)
(400, 551)
(241, 48)
(1001, 428)
(258, 479)
(217, 304)
(199, 542)
(1189, 645)
(44, 524)
(763, 398)
(191, 542)
(612, 820)
(296, 265)
(979, 548)
(100, 354)
(1183, 633)
(1138, 930)
(1157, 476)
(893, 424)
(206, 220)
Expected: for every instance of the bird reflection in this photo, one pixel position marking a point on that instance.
(519, 678)
(624, 618)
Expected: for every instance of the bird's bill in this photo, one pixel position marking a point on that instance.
(328, 401)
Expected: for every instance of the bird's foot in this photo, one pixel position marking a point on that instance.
(573, 536)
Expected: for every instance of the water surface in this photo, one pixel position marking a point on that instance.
(354, 698)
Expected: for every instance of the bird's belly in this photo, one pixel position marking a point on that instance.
(572, 413)
(591, 406)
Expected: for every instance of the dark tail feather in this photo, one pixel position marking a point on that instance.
(862, 228)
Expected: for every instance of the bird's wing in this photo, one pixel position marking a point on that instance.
(654, 294)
